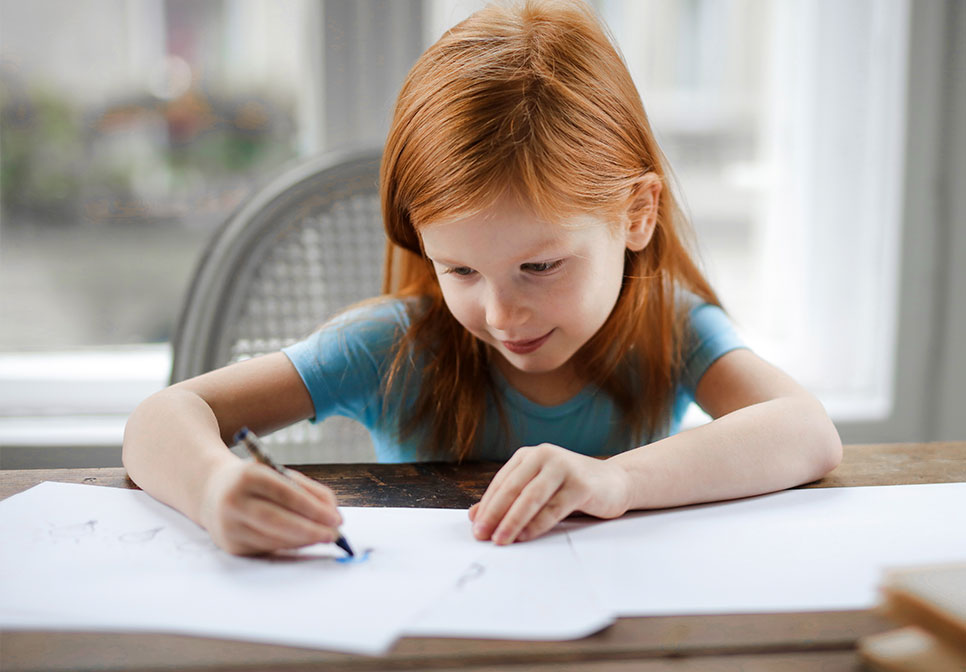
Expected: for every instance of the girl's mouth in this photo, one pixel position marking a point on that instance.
(526, 347)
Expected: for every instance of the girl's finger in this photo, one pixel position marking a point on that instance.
(272, 486)
(318, 490)
(266, 542)
(287, 529)
(556, 509)
(528, 504)
(501, 475)
(246, 540)
(241, 538)
(498, 498)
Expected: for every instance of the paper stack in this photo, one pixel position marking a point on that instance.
(931, 603)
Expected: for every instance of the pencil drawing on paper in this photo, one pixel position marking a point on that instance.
(473, 572)
(140, 536)
(73, 531)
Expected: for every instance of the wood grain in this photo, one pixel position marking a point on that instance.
(447, 485)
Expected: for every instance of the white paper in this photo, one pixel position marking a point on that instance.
(532, 591)
(92, 558)
(798, 550)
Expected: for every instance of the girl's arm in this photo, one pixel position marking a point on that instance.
(768, 434)
(175, 448)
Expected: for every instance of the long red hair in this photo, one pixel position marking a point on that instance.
(532, 98)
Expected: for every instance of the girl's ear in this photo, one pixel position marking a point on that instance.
(642, 212)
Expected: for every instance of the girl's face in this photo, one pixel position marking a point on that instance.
(534, 291)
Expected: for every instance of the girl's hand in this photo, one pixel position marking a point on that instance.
(541, 485)
(249, 509)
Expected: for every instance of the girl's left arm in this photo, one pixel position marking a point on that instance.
(768, 433)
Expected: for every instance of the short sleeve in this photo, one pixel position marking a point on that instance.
(343, 364)
(710, 334)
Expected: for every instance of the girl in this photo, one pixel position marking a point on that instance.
(541, 309)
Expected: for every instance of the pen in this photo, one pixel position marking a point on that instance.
(254, 446)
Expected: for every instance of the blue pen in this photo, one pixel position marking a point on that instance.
(247, 437)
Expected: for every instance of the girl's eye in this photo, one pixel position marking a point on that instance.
(543, 266)
(462, 271)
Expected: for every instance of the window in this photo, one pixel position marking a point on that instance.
(784, 123)
(130, 130)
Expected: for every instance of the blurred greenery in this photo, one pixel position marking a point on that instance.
(41, 152)
(132, 157)
(127, 189)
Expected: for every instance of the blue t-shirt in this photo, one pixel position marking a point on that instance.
(344, 364)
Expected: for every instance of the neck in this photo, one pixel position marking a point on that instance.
(547, 388)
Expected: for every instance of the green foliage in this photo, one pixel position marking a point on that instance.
(41, 152)
(64, 162)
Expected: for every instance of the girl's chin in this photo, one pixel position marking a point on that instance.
(532, 363)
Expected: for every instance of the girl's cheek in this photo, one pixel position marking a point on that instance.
(563, 295)
(461, 307)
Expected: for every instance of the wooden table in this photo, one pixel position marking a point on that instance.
(746, 642)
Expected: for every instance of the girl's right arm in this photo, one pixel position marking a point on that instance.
(176, 449)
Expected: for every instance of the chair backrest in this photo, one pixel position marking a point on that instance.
(300, 249)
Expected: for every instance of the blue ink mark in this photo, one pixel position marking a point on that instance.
(359, 557)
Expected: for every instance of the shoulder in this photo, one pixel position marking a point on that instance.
(384, 316)
(383, 309)
(707, 333)
(344, 363)
(366, 329)
(700, 318)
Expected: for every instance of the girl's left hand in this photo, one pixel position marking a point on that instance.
(541, 485)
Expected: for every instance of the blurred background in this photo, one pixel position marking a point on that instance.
(818, 145)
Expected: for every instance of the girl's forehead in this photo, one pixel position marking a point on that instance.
(507, 231)
(520, 211)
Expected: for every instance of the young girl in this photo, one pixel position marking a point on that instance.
(541, 309)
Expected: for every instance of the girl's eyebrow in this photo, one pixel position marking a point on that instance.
(444, 262)
(545, 250)
(541, 251)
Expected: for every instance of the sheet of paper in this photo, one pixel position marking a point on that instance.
(535, 590)
(799, 550)
(87, 557)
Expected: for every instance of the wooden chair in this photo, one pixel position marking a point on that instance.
(303, 247)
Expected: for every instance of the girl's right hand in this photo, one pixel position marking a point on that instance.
(249, 509)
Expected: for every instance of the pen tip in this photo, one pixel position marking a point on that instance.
(344, 545)
(241, 434)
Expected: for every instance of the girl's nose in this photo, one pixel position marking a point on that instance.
(504, 311)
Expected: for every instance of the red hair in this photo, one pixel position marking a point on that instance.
(531, 98)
